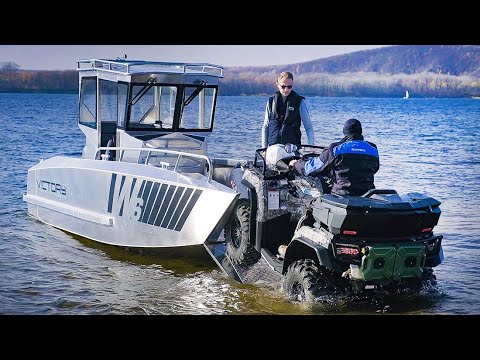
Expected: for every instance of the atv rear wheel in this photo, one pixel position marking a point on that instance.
(427, 281)
(428, 278)
(303, 281)
(237, 235)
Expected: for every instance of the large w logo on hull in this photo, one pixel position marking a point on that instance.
(149, 202)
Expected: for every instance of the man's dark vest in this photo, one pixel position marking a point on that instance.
(284, 123)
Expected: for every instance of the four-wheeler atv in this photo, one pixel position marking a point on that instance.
(379, 241)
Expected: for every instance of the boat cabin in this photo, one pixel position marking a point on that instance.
(127, 104)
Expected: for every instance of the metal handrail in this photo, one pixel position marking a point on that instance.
(126, 66)
(164, 151)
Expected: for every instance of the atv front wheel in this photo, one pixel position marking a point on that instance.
(237, 235)
(303, 281)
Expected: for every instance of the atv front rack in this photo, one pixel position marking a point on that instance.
(259, 162)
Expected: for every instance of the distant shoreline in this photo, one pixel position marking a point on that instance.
(267, 95)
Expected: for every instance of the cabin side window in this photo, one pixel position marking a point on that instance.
(197, 113)
(88, 102)
(108, 101)
(122, 104)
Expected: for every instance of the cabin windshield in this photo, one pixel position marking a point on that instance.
(165, 107)
(154, 109)
(198, 109)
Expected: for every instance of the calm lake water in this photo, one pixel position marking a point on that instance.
(426, 145)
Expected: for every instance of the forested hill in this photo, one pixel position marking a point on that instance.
(402, 59)
(423, 70)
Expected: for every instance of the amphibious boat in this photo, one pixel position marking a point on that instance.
(144, 179)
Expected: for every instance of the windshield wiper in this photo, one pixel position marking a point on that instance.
(195, 93)
(142, 92)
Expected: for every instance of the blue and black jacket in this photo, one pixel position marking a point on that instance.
(351, 163)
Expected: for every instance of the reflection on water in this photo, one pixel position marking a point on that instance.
(191, 282)
(195, 256)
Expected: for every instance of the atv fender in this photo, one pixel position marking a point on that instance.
(237, 184)
(303, 248)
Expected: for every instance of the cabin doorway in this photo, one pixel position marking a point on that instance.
(107, 117)
(108, 138)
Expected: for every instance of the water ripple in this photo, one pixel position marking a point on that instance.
(426, 145)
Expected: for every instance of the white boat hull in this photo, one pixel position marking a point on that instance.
(127, 204)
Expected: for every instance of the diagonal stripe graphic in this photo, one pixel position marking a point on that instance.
(191, 203)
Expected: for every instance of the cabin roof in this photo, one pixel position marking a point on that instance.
(138, 67)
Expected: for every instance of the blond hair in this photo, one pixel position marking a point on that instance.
(285, 74)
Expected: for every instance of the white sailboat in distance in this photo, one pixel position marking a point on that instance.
(407, 95)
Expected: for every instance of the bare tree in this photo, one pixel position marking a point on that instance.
(9, 71)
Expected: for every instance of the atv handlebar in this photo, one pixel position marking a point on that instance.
(260, 163)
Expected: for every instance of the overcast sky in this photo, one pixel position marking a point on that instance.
(64, 57)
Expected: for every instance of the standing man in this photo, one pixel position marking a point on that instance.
(284, 113)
